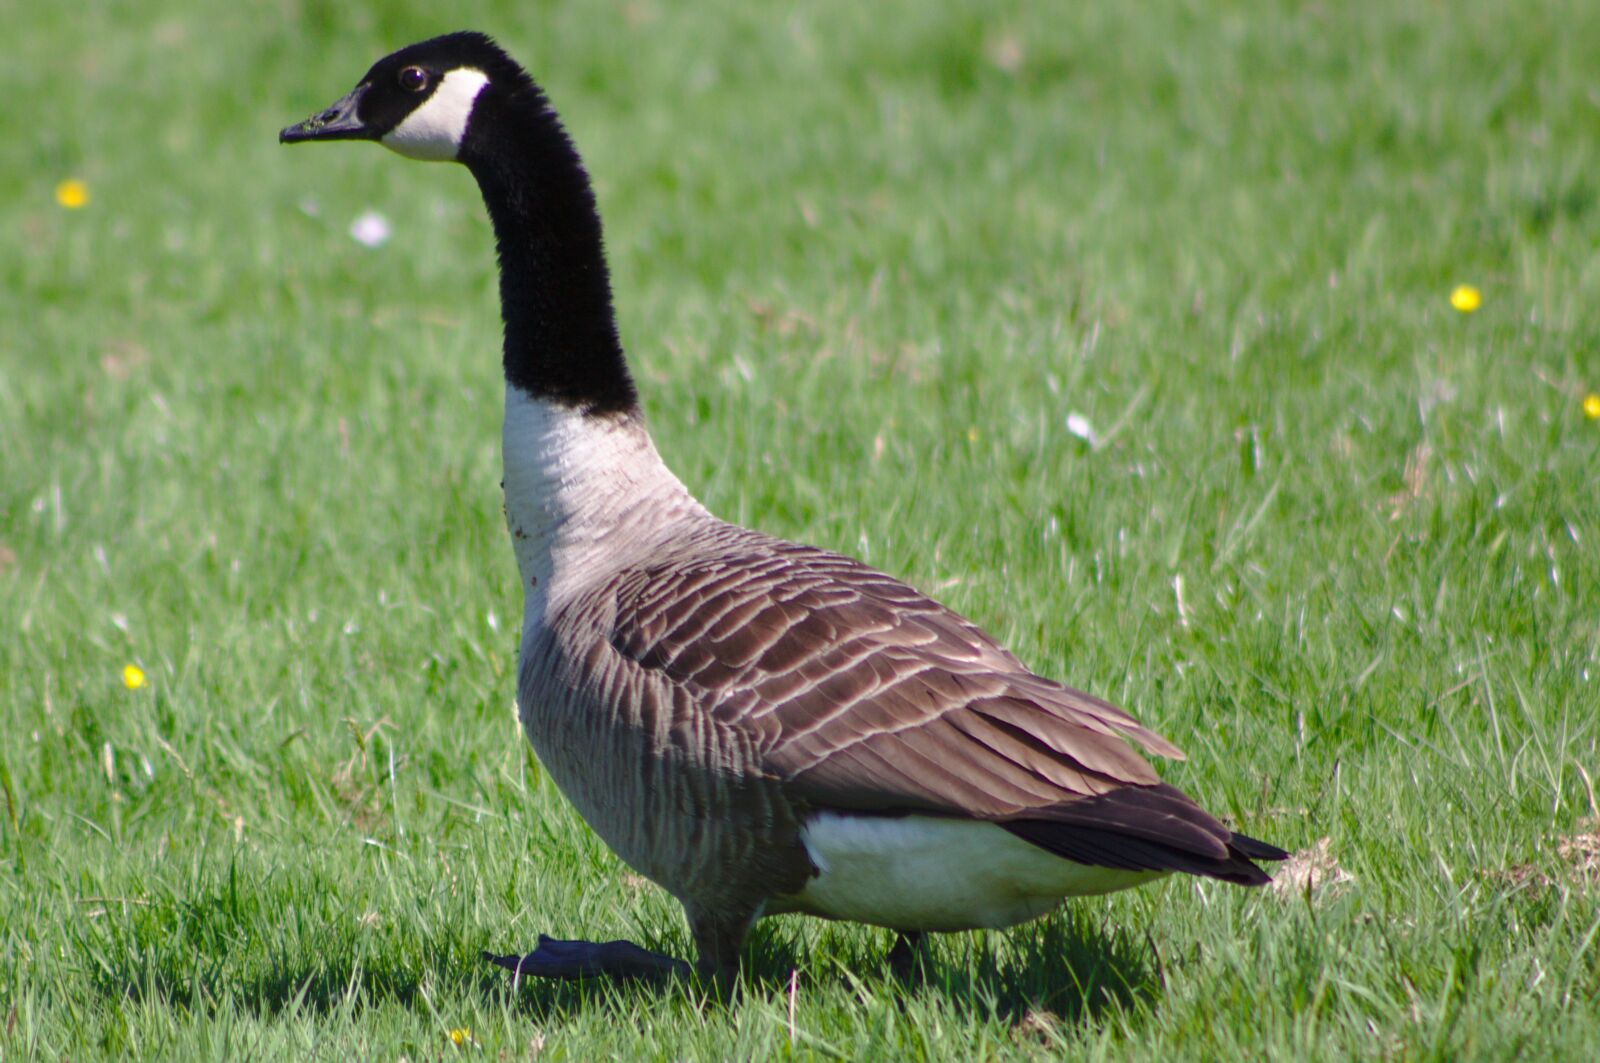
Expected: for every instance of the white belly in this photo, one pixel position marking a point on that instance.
(930, 873)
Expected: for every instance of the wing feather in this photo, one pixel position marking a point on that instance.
(861, 693)
(878, 695)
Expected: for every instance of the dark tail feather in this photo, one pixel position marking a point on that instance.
(1155, 828)
(1255, 849)
(1100, 848)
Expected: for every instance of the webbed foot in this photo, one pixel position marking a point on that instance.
(573, 960)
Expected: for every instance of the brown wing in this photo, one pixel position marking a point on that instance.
(863, 693)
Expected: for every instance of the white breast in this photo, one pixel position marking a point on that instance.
(584, 494)
(934, 873)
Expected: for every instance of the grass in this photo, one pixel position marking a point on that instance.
(1337, 540)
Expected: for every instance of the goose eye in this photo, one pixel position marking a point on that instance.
(413, 79)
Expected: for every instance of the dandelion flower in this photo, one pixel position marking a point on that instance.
(72, 193)
(1591, 407)
(461, 1035)
(133, 677)
(1466, 298)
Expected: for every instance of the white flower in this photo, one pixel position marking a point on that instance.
(1079, 426)
(370, 229)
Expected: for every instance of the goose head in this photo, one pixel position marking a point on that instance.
(421, 101)
(461, 98)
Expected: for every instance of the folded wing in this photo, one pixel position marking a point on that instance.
(864, 694)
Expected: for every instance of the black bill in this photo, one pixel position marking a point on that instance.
(339, 122)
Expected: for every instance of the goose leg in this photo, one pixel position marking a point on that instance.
(907, 951)
(575, 960)
(718, 938)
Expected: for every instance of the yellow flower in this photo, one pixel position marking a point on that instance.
(133, 677)
(1466, 298)
(461, 1035)
(72, 193)
(1591, 407)
(972, 435)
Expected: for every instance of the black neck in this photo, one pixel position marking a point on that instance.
(561, 339)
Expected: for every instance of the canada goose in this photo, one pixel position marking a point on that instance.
(756, 725)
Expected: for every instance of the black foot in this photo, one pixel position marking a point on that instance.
(590, 959)
(905, 958)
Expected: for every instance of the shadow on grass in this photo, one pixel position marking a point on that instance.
(1070, 965)
(1067, 965)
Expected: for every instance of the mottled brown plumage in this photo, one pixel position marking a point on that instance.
(798, 680)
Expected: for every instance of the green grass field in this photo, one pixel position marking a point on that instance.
(1338, 540)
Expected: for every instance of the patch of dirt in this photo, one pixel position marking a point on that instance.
(1037, 1025)
(1416, 481)
(122, 358)
(1581, 853)
(351, 781)
(1311, 872)
(1580, 862)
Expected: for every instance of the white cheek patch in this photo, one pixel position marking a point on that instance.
(433, 131)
